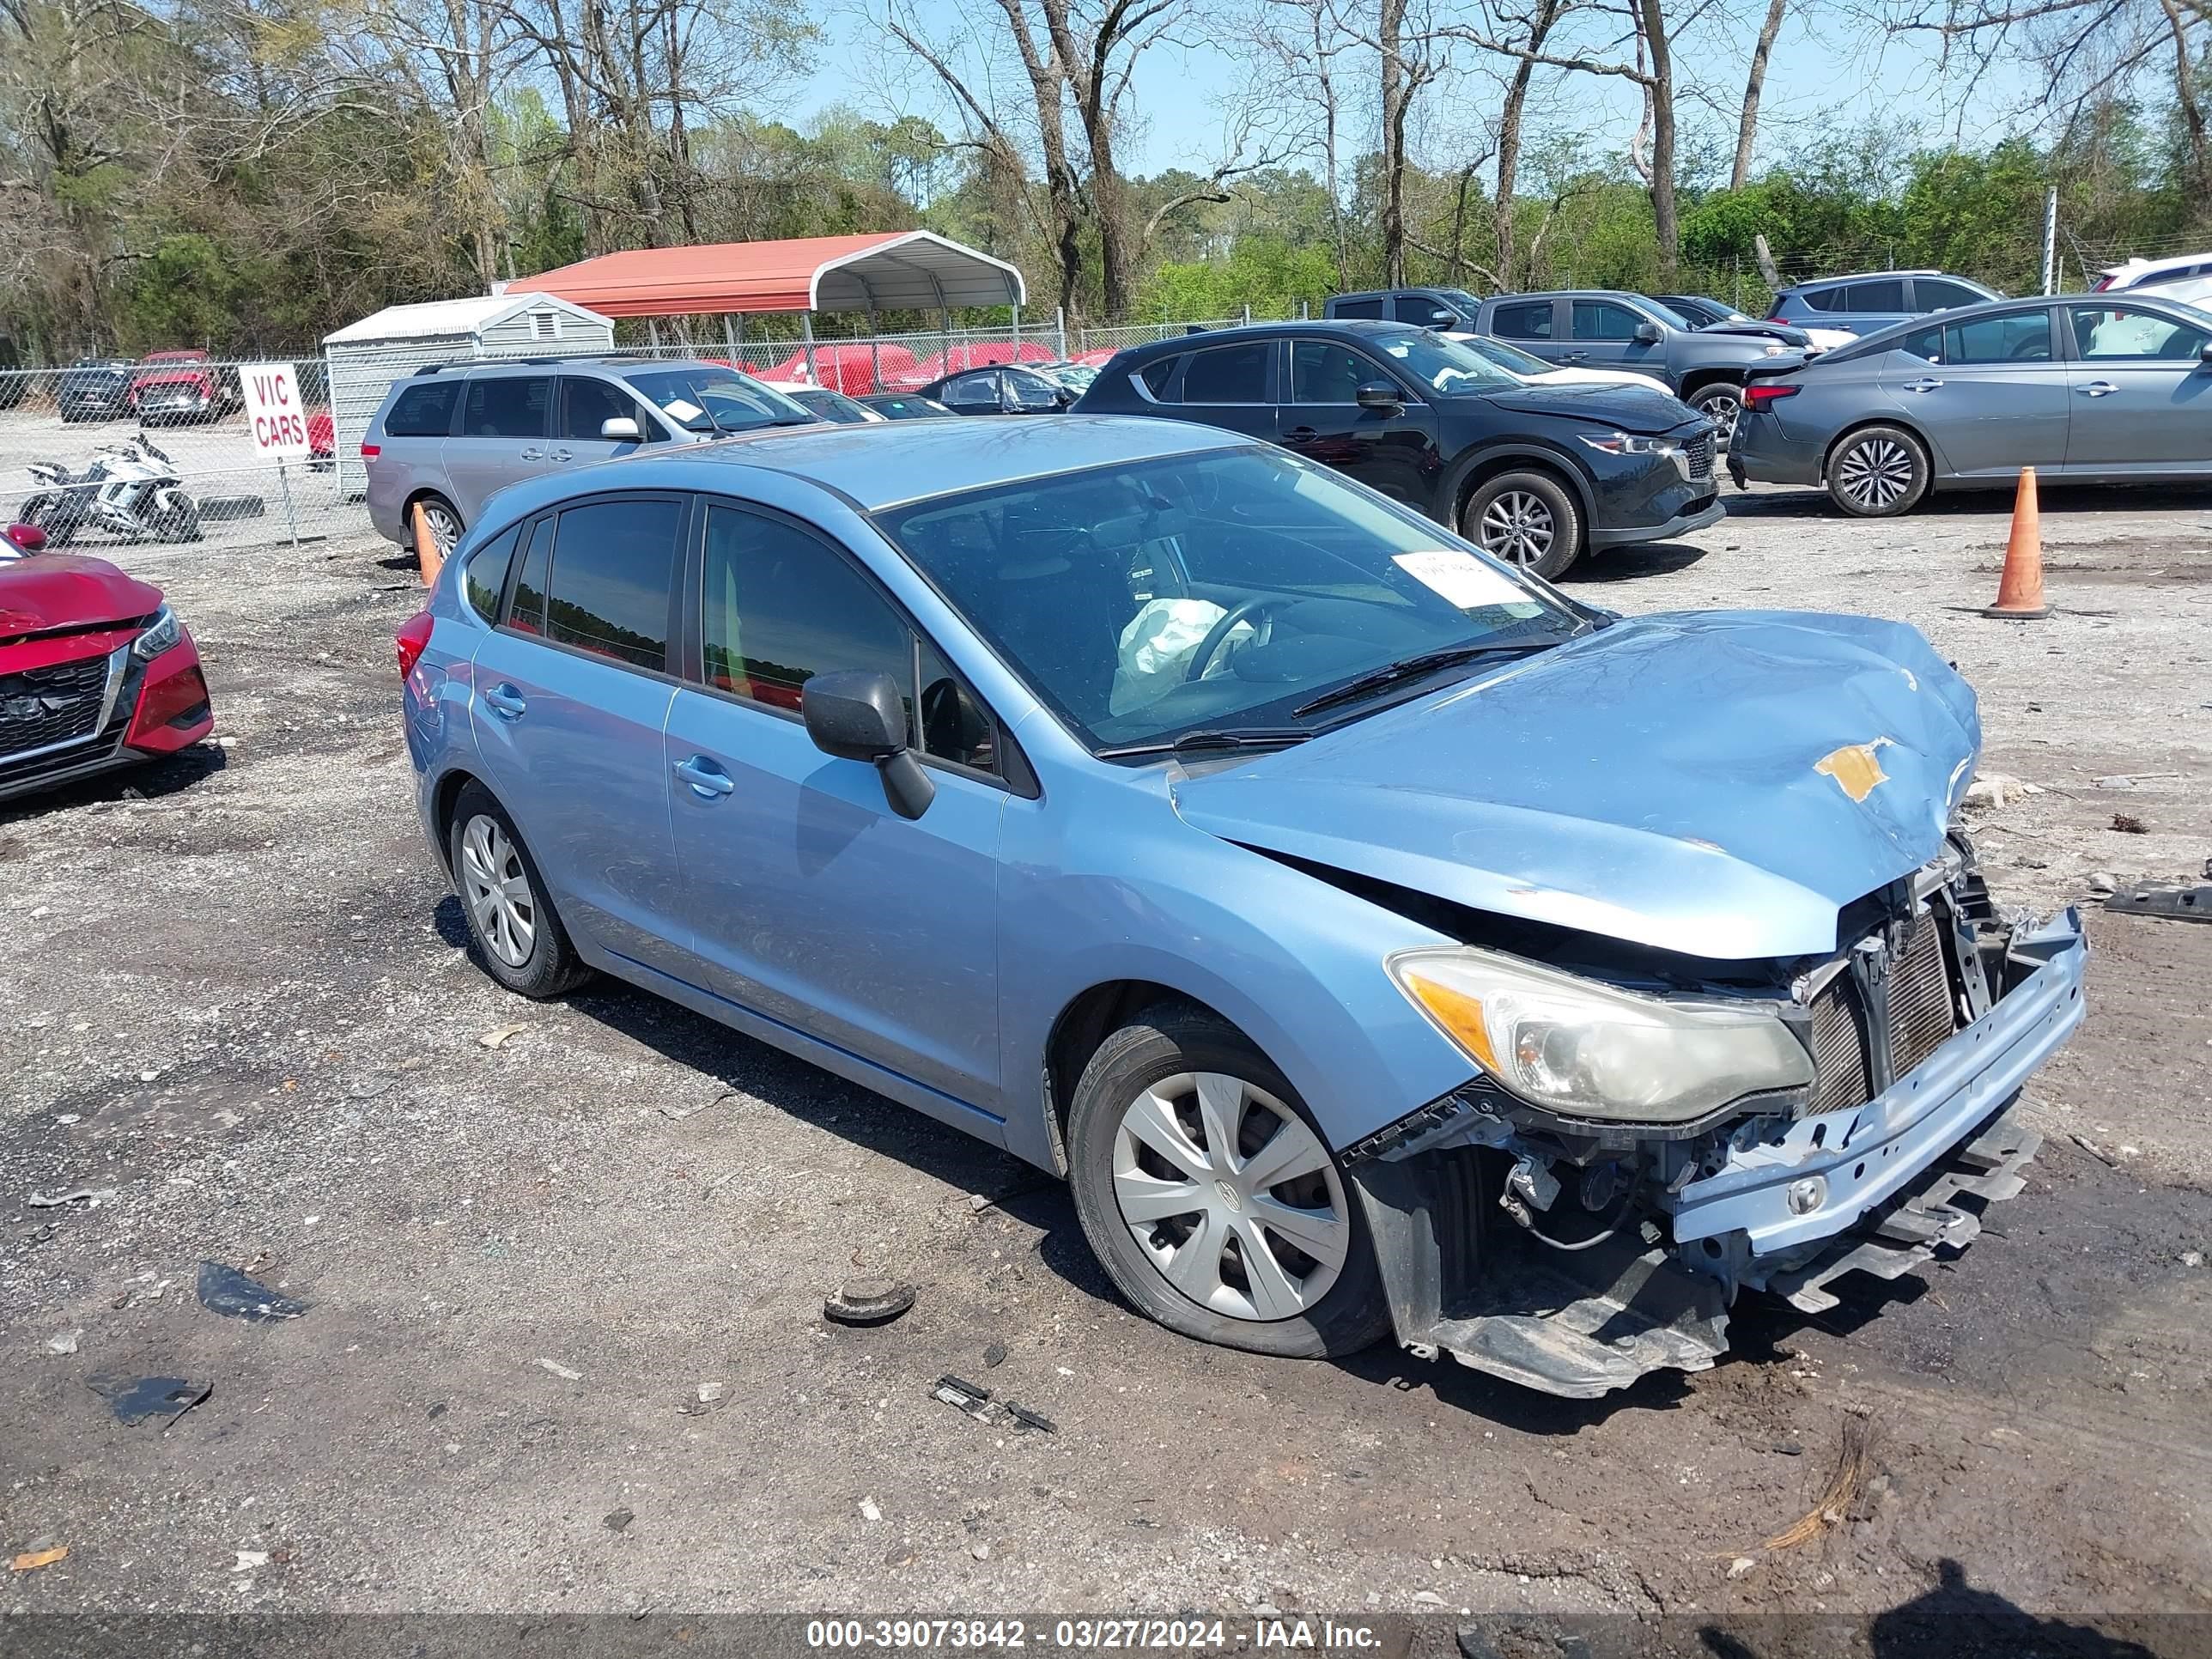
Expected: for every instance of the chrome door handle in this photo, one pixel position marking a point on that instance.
(1301, 433)
(533, 454)
(709, 782)
(506, 702)
(1572, 356)
(562, 454)
(2096, 389)
(1921, 385)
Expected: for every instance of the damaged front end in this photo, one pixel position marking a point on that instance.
(1573, 1253)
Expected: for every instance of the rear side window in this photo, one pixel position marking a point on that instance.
(1229, 374)
(1820, 299)
(2024, 338)
(780, 607)
(1887, 295)
(1368, 309)
(423, 411)
(1158, 377)
(1524, 322)
(614, 569)
(972, 390)
(507, 406)
(483, 579)
(1933, 295)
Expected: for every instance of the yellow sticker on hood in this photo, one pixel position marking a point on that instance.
(1857, 768)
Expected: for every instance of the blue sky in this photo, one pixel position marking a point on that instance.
(1835, 75)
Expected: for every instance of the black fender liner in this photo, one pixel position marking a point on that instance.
(1445, 509)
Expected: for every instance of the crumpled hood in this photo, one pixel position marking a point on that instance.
(44, 591)
(1716, 783)
(1630, 408)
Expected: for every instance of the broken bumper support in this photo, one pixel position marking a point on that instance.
(1890, 1175)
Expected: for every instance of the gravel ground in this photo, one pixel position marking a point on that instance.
(564, 1351)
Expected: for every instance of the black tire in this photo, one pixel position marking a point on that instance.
(1878, 472)
(1721, 403)
(551, 965)
(1526, 519)
(1165, 1040)
(433, 504)
(179, 522)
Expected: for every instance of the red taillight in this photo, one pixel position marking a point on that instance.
(2101, 285)
(412, 639)
(370, 452)
(1759, 397)
(30, 537)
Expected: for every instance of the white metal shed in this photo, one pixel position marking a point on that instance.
(366, 358)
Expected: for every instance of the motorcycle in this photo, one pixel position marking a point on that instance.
(131, 490)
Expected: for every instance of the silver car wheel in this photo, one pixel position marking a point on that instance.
(445, 528)
(1876, 473)
(1231, 1196)
(498, 891)
(1721, 407)
(1517, 527)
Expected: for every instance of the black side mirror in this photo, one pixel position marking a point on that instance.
(1380, 394)
(1648, 334)
(857, 714)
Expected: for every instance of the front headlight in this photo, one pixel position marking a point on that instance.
(1626, 443)
(164, 631)
(1587, 1050)
(1776, 349)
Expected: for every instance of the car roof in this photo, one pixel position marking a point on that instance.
(889, 462)
(1876, 276)
(2179, 310)
(2139, 267)
(1341, 327)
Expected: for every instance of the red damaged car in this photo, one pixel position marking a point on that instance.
(95, 671)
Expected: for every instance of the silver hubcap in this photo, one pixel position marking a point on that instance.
(1876, 473)
(497, 891)
(1720, 408)
(1231, 1196)
(445, 529)
(1517, 527)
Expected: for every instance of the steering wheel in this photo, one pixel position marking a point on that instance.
(1211, 645)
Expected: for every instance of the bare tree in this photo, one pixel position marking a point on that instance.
(1296, 44)
(1409, 63)
(1754, 87)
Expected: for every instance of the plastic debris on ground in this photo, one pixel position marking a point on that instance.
(868, 1302)
(135, 1399)
(225, 1291)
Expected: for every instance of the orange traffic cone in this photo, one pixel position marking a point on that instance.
(2020, 590)
(427, 558)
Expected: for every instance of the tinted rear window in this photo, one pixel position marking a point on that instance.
(423, 411)
(1368, 308)
(1229, 374)
(614, 568)
(484, 577)
(1887, 295)
(507, 406)
(1524, 322)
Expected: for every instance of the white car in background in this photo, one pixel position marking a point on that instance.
(1527, 366)
(2144, 273)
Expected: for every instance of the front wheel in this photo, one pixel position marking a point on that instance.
(1722, 404)
(176, 517)
(1211, 1198)
(1878, 472)
(1526, 519)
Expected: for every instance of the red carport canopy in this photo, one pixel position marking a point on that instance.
(895, 271)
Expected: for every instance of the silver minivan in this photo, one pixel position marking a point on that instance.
(451, 436)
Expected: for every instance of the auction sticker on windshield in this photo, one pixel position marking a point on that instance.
(685, 410)
(1461, 579)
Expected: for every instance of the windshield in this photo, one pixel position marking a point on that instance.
(1213, 592)
(701, 397)
(1442, 365)
(1510, 358)
(1667, 314)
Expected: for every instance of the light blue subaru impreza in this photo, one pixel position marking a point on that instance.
(1377, 939)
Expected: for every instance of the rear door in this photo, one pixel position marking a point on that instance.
(817, 906)
(572, 690)
(1322, 419)
(586, 404)
(1231, 386)
(2142, 393)
(501, 438)
(1534, 325)
(1990, 392)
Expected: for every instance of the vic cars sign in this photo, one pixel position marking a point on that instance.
(273, 411)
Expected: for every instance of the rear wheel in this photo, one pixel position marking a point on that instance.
(518, 938)
(1527, 519)
(1211, 1198)
(444, 520)
(1878, 472)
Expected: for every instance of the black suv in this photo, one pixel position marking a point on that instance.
(1448, 309)
(1532, 474)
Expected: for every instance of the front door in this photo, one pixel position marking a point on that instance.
(586, 405)
(1322, 420)
(1603, 332)
(2141, 392)
(1989, 392)
(572, 695)
(815, 904)
(501, 438)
